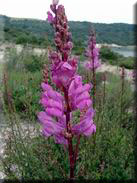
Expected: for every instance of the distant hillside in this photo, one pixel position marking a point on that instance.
(40, 32)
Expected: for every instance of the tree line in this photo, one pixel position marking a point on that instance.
(32, 31)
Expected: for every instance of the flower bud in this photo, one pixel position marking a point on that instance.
(70, 45)
(50, 17)
(55, 2)
(53, 8)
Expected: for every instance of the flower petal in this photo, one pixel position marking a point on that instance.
(44, 117)
(46, 87)
(54, 112)
(90, 130)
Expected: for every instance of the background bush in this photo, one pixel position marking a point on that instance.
(24, 79)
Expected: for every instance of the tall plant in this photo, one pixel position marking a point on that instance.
(72, 95)
(93, 62)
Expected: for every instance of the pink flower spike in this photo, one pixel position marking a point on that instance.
(71, 94)
(92, 53)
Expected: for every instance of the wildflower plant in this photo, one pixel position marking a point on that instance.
(92, 53)
(72, 94)
(93, 61)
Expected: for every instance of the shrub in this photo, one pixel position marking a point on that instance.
(107, 54)
(128, 63)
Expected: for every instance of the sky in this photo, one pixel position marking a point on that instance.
(97, 11)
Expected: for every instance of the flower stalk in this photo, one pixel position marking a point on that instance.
(122, 91)
(69, 131)
(104, 88)
(93, 62)
(72, 95)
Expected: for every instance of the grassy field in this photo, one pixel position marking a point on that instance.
(106, 155)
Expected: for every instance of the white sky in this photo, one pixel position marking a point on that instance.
(100, 11)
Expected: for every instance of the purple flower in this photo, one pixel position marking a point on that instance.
(93, 54)
(52, 128)
(52, 101)
(86, 125)
(53, 104)
(62, 36)
(90, 65)
(63, 66)
(50, 17)
(79, 94)
(62, 72)
(58, 107)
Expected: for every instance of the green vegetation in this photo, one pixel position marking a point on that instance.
(106, 155)
(32, 31)
(107, 55)
(128, 63)
(24, 80)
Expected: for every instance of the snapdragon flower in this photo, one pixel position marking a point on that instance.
(79, 97)
(76, 96)
(92, 52)
(93, 62)
(58, 107)
(54, 105)
(62, 71)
